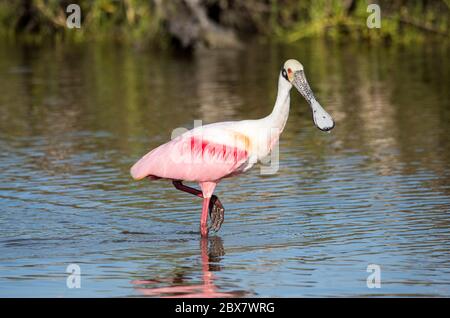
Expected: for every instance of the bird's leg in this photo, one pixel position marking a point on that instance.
(216, 209)
(180, 186)
(216, 213)
(204, 218)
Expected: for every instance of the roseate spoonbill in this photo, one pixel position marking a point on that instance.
(209, 153)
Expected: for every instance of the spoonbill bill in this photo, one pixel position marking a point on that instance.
(209, 153)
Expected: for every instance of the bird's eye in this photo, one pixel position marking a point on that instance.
(284, 74)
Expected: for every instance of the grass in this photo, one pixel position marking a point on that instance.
(145, 22)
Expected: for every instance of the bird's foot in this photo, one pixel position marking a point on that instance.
(216, 214)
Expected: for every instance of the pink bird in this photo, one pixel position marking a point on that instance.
(209, 153)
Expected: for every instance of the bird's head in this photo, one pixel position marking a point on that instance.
(293, 72)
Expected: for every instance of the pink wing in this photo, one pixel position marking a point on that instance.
(192, 157)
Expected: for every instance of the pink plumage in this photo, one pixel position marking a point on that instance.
(204, 155)
(190, 158)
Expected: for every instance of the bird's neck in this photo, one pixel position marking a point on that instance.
(277, 119)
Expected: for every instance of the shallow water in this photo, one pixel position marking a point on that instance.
(374, 191)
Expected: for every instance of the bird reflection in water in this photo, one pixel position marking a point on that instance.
(211, 252)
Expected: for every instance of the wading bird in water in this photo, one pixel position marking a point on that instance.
(209, 153)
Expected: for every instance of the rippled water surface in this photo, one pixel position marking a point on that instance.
(374, 191)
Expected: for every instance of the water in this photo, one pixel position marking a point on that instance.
(374, 191)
